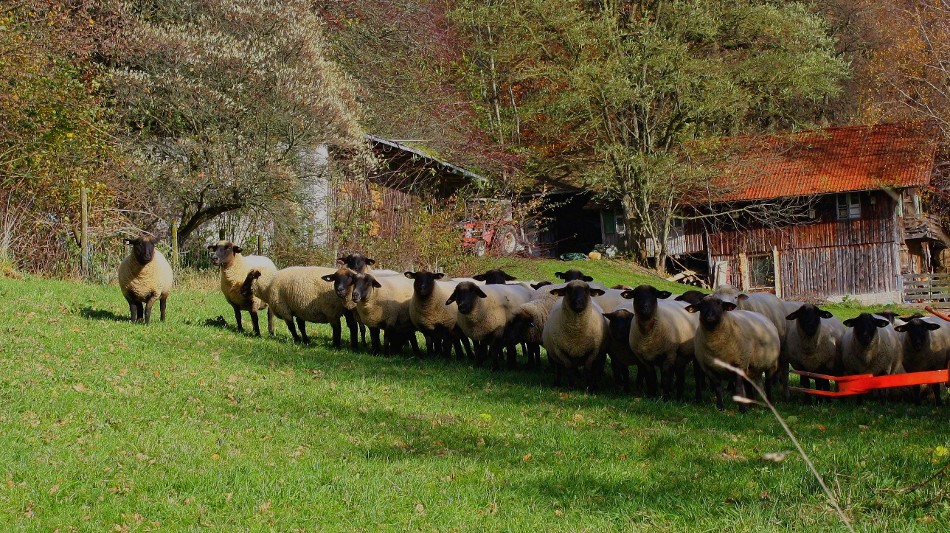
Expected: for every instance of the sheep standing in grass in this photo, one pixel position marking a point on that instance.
(484, 314)
(618, 348)
(526, 325)
(383, 304)
(743, 339)
(813, 343)
(575, 334)
(299, 294)
(662, 337)
(429, 313)
(926, 346)
(145, 276)
(234, 269)
(871, 346)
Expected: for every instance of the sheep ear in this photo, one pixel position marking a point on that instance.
(743, 296)
(560, 275)
(479, 277)
(376, 283)
(881, 323)
(509, 277)
(901, 328)
(825, 314)
(587, 278)
(237, 249)
(370, 261)
(931, 326)
(211, 247)
(451, 298)
(341, 259)
(132, 241)
(628, 294)
(597, 292)
(729, 306)
(794, 315)
(692, 308)
(478, 292)
(849, 322)
(410, 275)
(540, 284)
(438, 275)
(663, 295)
(557, 292)
(328, 277)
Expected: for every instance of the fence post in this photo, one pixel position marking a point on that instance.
(175, 259)
(260, 245)
(84, 236)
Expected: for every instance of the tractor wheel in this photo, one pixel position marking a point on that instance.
(505, 241)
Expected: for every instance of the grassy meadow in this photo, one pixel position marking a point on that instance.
(113, 426)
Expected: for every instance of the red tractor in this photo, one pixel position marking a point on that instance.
(489, 225)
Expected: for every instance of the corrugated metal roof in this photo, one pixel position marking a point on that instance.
(842, 159)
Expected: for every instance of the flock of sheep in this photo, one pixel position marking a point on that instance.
(578, 322)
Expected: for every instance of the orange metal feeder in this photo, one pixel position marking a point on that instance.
(862, 383)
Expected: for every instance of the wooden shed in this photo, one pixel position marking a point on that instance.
(863, 225)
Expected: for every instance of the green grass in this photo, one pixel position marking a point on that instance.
(608, 272)
(109, 425)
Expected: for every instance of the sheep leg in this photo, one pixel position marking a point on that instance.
(641, 376)
(256, 323)
(666, 382)
(374, 341)
(679, 372)
(302, 326)
(148, 308)
(481, 352)
(935, 387)
(141, 310)
(650, 375)
(740, 391)
(414, 342)
(133, 309)
(595, 370)
(782, 378)
(512, 356)
(270, 322)
(467, 344)
(621, 374)
(430, 342)
(161, 306)
(718, 387)
(292, 329)
(351, 326)
(237, 318)
(337, 333)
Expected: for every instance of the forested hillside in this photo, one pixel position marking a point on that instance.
(181, 113)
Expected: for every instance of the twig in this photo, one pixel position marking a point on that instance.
(788, 431)
(912, 488)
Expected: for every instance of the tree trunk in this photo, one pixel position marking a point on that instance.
(190, 224)
(636, 238)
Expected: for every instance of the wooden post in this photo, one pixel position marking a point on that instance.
(84, 236)
(175, 259)
(260, 245)
(777, 266)
(221, 234)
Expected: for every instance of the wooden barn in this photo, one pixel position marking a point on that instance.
(862, 224)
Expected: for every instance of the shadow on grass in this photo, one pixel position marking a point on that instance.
(101, 314)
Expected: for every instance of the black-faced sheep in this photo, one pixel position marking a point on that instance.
(871, 346)
(234, 269)
(813, 343)
(926, 345)
(495, 276)
(691, 297)
(575, 334)
(662, 337)
(572, 275)
(383, 303)
(618, 348)
(484, 314)
(145, 276)
(743, 339)
(429, 313)
(299, 294)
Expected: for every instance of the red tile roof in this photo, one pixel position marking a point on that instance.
(842, 159)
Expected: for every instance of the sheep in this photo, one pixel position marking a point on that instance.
(871, 346)
(430, 314)
(926, 346)
(572, 275)
(662, 337)
(145, 276)
(297, 293)
(618, 348)
(813, 343)
(357, 262)
(495, 276)
(575, 333)
(691, 297)
(383, 303)
(527, 323)
(743, 339)
(611, 299)
(360, 264)
(484, 313)
(234, 269)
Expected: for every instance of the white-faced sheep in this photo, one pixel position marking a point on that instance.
(429, 313)
(145, 276)
(926, 346)
(484, 313)
(575, 334)
(383, 303)
(813, 343)
(743, 339)
(662, 337)
(234, 269)
(300, 294)
(871, 346)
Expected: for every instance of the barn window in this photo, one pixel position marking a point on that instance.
(849, 206)
(761, 272)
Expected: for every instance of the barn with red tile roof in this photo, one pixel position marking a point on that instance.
(865, 223)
